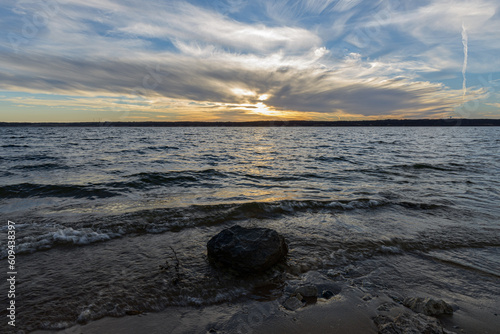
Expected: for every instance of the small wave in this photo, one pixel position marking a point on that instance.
(64, 236)
(42, 166)
(180, 218)
(104, 190)
(308, 176)
(382, 142)
(33, 157)
(157, 178)
(177, 219)
(331, 159)
(26, 190)
(162, 148)
(422, 206)
(271, 178)
(14, 146)
(483, 260)
(438, 167)
(76, 237)
(382, 171)
(422, 244)
(150, 302)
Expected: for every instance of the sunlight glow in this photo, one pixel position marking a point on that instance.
(242, 92)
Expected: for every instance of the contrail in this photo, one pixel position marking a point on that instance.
(465, 40)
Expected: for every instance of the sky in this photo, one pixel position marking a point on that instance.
(247, 60)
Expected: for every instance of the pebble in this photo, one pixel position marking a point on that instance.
(327, 294)
(292, 304)
(308, 291)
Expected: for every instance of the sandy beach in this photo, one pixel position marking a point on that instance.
(353, 310)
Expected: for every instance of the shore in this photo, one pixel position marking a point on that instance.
(353, 310)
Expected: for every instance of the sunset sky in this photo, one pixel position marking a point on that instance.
(242, 60)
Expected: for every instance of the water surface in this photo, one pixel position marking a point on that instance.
(102, 213)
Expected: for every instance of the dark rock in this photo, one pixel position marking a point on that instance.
(385, 307)
(308, 291)
(327, 294)
(428, 306)
(293, 303)
(247, 250)
(409, 323)
(367, 297)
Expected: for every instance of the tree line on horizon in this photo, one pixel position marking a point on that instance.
(385, 122)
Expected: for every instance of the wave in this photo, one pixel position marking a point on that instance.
(163, 148)
(394, 142)
(42, 166)
(153, 179)
(483, 260)
(332, 159)
(439, 167)
(145, 149)
(26, 190)
(14, 146)
(32, 157)
(176, 219)
(421, 243)
(193, 174)
(107, 189)
(173, 219)
(271, 178)
(55, 235)
(420, 205)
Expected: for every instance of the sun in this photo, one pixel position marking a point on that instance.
(243, 92)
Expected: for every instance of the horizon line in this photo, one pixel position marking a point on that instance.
(291, 123)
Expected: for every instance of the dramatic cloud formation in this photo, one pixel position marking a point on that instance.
(240, 60)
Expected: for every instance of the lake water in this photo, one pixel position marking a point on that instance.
(103, 215)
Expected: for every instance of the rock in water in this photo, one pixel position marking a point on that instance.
(293, 304)
(409, 323)
(428, 306)
(247, 250)
(308, 291)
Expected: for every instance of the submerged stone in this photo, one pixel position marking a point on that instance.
(327, 294)
(409, 323)
(308, 291)
(428, 306)
(247, 250)
(293, 303)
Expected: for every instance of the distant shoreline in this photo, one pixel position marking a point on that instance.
(386, 122)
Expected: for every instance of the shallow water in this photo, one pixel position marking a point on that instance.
(114, 221)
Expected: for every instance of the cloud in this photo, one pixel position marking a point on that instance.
(301, 84)
(95, 28)
(466, 53)
(308, 58)
(191, 23)
(434, 24)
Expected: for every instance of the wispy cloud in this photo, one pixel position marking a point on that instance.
(290, 83)
(466, 56)
(246, 59)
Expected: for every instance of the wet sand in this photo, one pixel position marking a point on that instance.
(351, 311)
